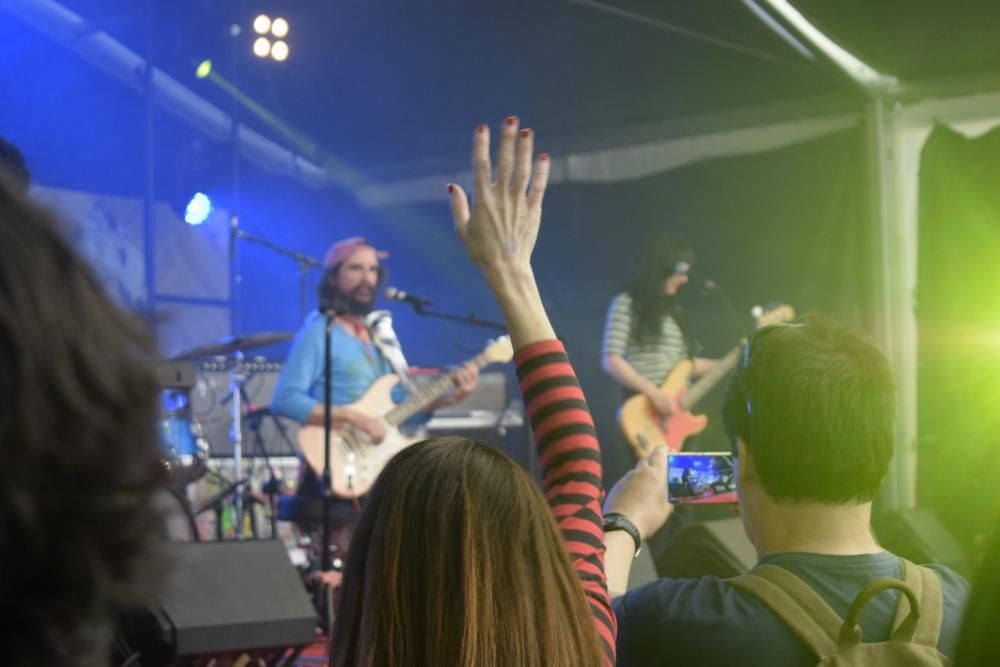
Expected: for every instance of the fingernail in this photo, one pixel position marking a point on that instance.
(525, 133)
(451, 188)
(481, 128)
(543, 157)
(511, 120)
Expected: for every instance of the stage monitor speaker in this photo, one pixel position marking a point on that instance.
(715, 547)
(225, 597)
(919, 536)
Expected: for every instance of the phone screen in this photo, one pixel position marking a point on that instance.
(701, 477)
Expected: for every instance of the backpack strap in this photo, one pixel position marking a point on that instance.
(796, 604)
(926, 587)
(850, 633)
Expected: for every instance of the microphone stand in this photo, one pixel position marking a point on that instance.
(711, 287)
(324, 561)
(304, 261)
(471, 318)
(474, 320)
(271, 488)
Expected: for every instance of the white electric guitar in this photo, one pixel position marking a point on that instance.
(354, 461)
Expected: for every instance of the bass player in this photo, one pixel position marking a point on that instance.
(353, 272)
(643, 335)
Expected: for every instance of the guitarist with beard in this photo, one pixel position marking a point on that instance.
(353, 273)
(643, 335)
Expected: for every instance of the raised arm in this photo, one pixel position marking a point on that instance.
(570, 457)
(499, 234)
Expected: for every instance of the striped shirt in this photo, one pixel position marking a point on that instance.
(651, 358)
(571, 470)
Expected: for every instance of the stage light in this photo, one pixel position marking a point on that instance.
(262, 47)
(262, 24)
(279, 28)
(204, 69)
(198, 209)
(279, 51)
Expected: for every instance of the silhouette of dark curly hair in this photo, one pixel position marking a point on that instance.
(79, 460)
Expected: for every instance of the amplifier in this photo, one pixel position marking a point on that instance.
(489, 414)
(211, 407)
(175, 374)
(490, 395)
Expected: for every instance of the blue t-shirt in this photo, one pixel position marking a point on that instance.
(707, 622)
(355, 366)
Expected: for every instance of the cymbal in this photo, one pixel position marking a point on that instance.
(230, 344)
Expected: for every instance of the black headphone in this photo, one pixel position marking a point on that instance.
(744, 399)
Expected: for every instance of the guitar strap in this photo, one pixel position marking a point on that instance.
(379, 324)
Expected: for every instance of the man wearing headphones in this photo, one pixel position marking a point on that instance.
(811, 417)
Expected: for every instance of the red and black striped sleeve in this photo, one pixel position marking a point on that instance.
(571, 469)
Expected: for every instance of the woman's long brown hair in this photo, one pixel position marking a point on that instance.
(457, 560)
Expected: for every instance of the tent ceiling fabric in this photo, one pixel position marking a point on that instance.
(380, 85)
(628, 162)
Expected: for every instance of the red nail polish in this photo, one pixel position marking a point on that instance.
(525, 133)
(481, 128)
(511, 120)
(451, 189)
(543, 157)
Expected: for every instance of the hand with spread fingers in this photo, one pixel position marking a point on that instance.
(500, 229)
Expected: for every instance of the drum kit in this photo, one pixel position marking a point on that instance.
(186, 449)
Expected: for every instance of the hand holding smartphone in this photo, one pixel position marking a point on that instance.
(701, 478)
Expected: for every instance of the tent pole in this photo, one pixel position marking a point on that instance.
(897, 276)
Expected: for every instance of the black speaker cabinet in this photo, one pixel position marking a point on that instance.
(715, 547)
(224, 598)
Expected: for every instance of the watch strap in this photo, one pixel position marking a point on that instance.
(616, 521)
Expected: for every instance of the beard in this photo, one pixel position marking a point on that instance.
(357, 301)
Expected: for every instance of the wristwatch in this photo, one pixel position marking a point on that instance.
(616, 521)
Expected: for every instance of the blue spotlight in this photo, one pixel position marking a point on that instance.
(198, 209)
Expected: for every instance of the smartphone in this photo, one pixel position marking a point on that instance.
(701, 477)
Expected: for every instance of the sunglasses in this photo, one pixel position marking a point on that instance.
(748, 346)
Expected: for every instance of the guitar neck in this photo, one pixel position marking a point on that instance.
(699, 389)
(424, 397)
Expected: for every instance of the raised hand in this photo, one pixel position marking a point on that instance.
(501, 229)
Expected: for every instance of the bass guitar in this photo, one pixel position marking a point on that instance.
(354, 461)
(645, 428)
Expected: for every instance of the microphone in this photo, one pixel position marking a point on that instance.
(394, 294)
